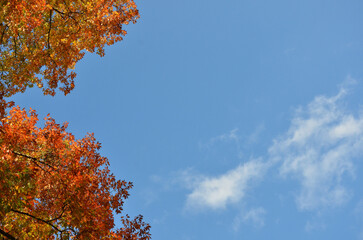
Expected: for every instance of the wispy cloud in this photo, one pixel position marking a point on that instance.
(255, 216)
(255, 135)
(217, 192)
(318, 150)
(230, 138)
(314, 225)
(233, 142)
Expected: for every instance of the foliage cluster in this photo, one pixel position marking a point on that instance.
(53, 186)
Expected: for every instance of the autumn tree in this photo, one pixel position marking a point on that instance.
(42, 40)
(53, 186)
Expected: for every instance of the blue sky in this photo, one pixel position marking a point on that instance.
(234, 119)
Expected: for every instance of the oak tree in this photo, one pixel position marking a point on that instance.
(53, 186)
(42, 40)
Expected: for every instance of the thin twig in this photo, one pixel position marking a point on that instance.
(36, 218)
(33, 159)
(50, 26)
(3, 33)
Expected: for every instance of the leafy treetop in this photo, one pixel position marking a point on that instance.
(53, 186)
(42, 40)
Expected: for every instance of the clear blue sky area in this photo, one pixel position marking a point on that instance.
(235, 119)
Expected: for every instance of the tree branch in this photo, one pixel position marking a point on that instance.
(3, 33)
(69, 15)
(7, 235)
(36, 218)
(15, 46)
(60, 215)
(60, 12)
(50, 26)
(36, 160)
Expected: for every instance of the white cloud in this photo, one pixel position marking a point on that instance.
(231, 136)
(318, 150)
(255, 216)
(217, 192)
(217, 145)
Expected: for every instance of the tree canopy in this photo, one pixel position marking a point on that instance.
(42, 40)
(53, 186)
